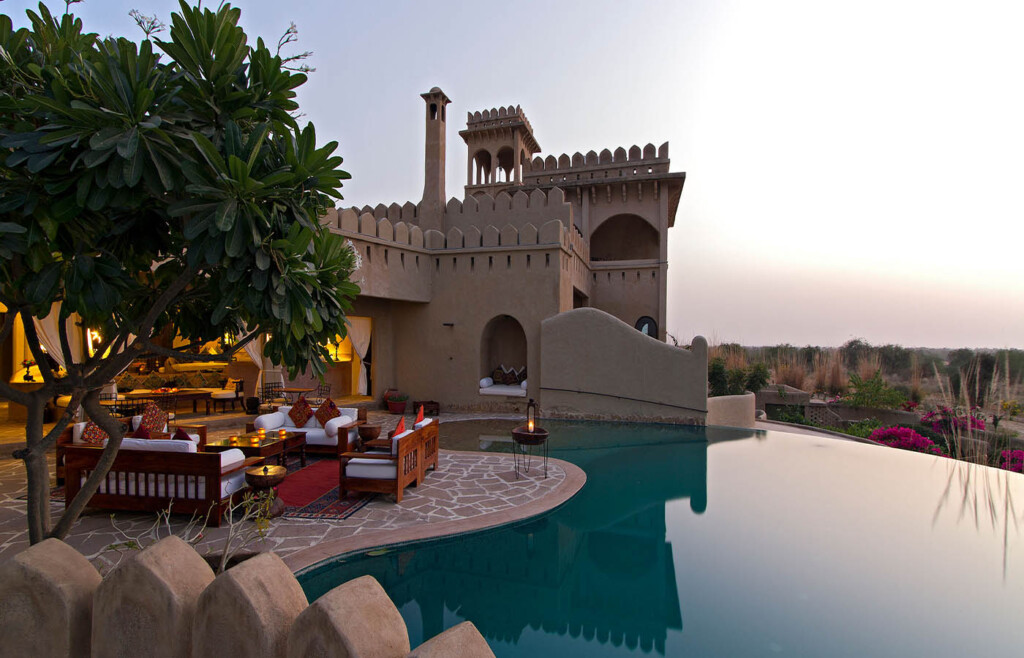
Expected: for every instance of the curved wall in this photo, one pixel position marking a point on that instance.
(594, 365)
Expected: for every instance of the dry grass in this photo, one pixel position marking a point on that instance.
(829, 374)
(868, 365)
(790, 370)
(735, 359)
(916, 378)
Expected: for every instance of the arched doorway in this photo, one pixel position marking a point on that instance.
(502, 344)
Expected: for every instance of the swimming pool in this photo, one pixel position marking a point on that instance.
(694, 542)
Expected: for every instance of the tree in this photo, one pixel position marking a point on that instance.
(150, 193)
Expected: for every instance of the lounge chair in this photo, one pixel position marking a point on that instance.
(383, 472)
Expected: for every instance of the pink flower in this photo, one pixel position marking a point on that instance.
(905, 438)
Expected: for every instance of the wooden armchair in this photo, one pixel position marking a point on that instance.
(382, 472)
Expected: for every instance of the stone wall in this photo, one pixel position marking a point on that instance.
(165, 602)
(731, 410)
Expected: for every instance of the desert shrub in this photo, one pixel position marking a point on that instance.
(723, 380)
(792, 413)
(905, 438)
(873, 392)
(953, 420)
(862, 428)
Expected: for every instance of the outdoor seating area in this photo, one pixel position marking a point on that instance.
(390, 465)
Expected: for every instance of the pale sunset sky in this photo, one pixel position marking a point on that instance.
(854, 169)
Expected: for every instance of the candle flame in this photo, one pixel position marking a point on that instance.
(529, 426)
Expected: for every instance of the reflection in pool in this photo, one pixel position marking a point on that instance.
(687, 541)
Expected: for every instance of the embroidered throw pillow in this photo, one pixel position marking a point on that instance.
(300, 413)
(154, 419)
(498, 375)
(326, 411)
(93, 434)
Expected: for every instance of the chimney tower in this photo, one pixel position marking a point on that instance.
(431, 212)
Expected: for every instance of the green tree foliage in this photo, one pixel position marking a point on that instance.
(735, 381)
(152, 192)
(873, 392)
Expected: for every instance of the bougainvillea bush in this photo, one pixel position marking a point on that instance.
(905, 438)
(1013, 460)
(945, 419)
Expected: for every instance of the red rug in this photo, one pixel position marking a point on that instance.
(312, 493)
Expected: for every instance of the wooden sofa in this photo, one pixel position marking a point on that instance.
(152, 480)
(73, 432)
(390, 465)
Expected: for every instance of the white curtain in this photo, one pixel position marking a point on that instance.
(254, 348)
(48, 329)
(359, 334)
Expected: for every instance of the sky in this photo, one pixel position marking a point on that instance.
(854, 169)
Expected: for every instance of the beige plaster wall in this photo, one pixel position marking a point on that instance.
(595, 365)
(732, 410)
(443, 363)
(629, 290)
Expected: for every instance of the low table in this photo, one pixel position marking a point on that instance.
(272, 445)
(265, 478)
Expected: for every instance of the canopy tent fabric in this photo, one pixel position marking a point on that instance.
(254, 348)
(359, 334)
(48, 330)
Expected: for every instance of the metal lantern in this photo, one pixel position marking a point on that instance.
(531, 415)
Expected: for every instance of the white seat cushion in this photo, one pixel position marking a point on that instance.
(229, 484)
(373, 469)
(156, 445)
(221, 394)
(504, 389)
(423, 423)
(230, 459)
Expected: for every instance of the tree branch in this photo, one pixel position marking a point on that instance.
(32, 338)
(115, 431)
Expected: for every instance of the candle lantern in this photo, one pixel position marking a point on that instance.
(531, 415)
(281, 434)
(234, 440)
(261, 432)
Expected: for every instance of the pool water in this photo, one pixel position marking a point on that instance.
(694, 542)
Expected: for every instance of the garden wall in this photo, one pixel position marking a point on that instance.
(166, 601)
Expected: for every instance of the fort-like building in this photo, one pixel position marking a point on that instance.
(454, 289)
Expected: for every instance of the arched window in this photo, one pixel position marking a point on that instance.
(433, 111)
(506, 163)
(625, 237)
(647, 326)
(482, 170)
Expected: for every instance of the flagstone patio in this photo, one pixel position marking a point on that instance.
(469, 491)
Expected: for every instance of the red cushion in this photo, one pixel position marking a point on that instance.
(326, 411)
(93, 434)
(153, 418)
(181, 435)
(141, 433)
(300, 412)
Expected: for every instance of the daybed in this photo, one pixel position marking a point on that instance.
(319, 438)
(488, 387)
(154, 474)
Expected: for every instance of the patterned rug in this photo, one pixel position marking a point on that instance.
(312, 493)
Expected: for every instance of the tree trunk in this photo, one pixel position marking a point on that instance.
(38, 508)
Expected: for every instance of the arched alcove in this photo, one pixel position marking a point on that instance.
(503, 343)
(625, 237)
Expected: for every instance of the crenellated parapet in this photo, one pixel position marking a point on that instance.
(518, 208)
(497, 117)
(620, 163)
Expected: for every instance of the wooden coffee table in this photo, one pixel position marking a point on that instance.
(272, 445)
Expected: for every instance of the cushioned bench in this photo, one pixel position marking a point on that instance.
(154, 474)
(392, 464)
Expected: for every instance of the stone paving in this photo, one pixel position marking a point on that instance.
(468, 491)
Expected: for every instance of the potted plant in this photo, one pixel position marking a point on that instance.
(397, 402)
